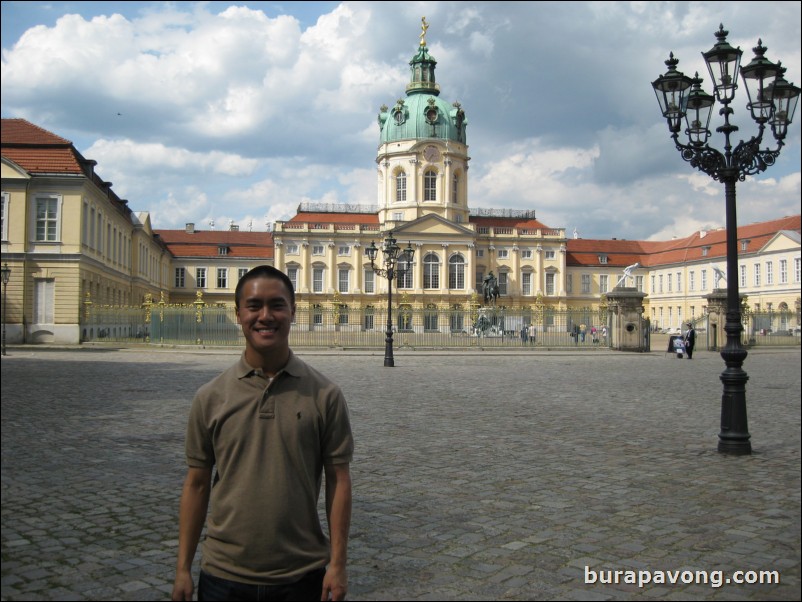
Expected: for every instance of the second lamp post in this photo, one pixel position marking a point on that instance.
(396, 263)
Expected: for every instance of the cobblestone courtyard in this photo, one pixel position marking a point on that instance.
(477, 476)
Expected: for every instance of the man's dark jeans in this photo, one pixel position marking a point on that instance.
(309, 587)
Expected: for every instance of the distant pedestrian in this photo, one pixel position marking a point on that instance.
(524, 334)
(689, 340)
(532, 334)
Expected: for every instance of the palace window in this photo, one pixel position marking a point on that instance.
(47, 216)
(343, 279)
(456, 272)
(222, 278)
(200, 277)
(430, 318)
(400, 187)
(503, 278)
(526, 283)
(292, 274)
(4, 217)
(180, 276)
(550, 276)
(370, 281)
(430, 185)
(404, 275)
(431, 271)
(317, 280)
(457, 318)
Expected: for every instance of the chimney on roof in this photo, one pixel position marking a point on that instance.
(234, 227)
(190, 228)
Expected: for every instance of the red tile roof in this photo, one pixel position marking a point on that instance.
(44, 160)
(206, 243)
(585, 252)
(38, 151)
(335, 218)
(21, 131)
(508, 222)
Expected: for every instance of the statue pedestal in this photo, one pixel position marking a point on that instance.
(627, 326)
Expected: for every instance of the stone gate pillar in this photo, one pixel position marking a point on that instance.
(717, 317)
(626, 319)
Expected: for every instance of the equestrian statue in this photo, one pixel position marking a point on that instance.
(490, 289)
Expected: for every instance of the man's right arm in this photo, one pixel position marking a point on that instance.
(192, 516)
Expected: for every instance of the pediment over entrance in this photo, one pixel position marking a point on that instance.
(432, 225)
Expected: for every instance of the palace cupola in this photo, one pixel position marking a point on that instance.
(422, 155)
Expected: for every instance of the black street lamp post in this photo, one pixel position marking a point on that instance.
(6, 274)
(396, 263)
(772, 101)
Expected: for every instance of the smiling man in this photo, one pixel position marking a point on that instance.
(270, 427)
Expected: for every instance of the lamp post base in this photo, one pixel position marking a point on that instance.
(388, 350)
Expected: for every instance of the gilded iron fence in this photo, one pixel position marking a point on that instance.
(339, 326)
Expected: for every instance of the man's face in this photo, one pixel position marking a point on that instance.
(265, 314)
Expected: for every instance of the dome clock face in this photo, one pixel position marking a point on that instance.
(431, 154)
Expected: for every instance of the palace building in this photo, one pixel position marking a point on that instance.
(71, 243)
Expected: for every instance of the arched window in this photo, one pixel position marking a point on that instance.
(455, 189)
(430, 185)
(431, 271)
(456, 272)
(400, 187)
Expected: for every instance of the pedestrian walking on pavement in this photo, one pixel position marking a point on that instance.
(270, 427)
(689, 340)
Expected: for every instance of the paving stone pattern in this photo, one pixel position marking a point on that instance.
(477, 476)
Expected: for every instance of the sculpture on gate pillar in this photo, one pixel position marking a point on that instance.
(627, 273)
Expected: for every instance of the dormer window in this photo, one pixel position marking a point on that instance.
(705, 251)
(222, 250)
(745, 244)
(603, 259)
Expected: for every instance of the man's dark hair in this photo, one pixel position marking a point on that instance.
(264, 271)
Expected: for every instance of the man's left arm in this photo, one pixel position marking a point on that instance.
(338, 511)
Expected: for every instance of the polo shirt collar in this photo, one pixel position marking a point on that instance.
(293, 367)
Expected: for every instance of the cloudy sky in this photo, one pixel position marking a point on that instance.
(200, 111)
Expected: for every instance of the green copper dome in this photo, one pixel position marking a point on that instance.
(422, 114)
